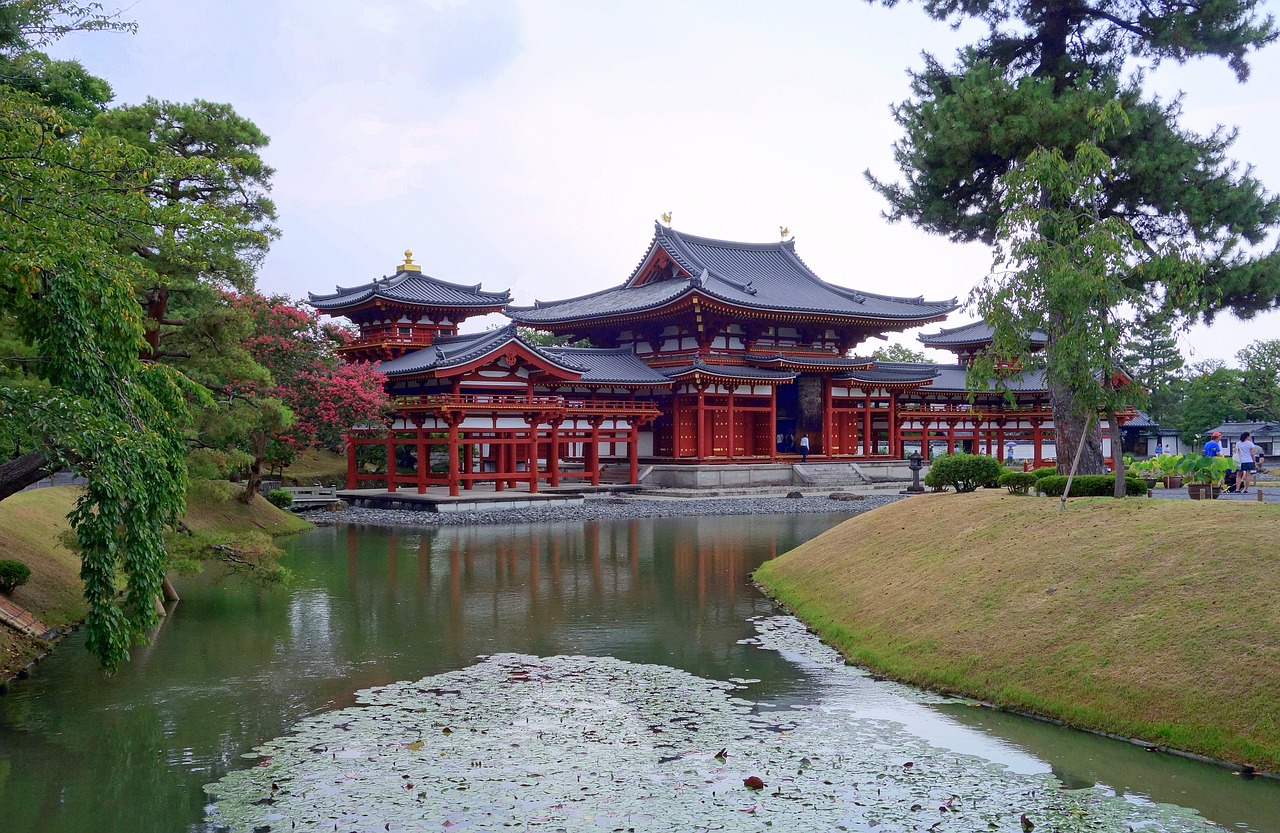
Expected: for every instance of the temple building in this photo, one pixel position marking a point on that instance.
(711, 352)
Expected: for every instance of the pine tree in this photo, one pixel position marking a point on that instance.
(1152, 356)
(1032, 82)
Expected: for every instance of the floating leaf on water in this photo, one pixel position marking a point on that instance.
(598, 766)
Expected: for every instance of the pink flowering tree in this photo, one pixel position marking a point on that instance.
(312, 397)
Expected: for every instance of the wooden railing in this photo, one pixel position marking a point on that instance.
(493, 402)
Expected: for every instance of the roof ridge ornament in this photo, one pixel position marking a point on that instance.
(409, 265)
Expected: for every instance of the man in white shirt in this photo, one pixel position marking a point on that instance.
(1248, 451)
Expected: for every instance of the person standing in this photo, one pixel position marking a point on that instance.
(1009, 446)
(804, 448)
(1248, 451)
(1213, 448)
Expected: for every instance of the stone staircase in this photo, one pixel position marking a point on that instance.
(828, 475)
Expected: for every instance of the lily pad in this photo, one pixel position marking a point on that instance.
(598, 744)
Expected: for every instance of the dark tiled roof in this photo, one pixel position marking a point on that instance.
(891, 373)
(729, 371)
(617, 365)
(764, 276)
(1233, 430)
(979, 332)
(951, 378)
(452, 351)
(811, 361)
(1141, 420)
(413, 288)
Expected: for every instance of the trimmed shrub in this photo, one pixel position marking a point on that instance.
(934, 482)
(1018, 482)
(280, 498)
(1045, 471)
(1090, 485)
(966, 472)
(13, 574)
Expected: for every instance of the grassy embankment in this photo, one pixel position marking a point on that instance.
(33, 528)
(1152, 619)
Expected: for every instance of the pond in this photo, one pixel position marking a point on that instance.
(667, 601)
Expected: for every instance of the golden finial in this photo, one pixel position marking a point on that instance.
(666, 218)
(784, 231)
(408, 265)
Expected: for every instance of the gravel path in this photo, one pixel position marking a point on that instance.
(604, 509)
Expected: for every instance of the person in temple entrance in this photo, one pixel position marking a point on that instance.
(804, 448)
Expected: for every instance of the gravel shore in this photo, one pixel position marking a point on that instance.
(604, 509)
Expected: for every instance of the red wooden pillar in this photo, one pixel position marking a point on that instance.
(391, 462)
(593, 451)
(1037, 439)
(499, 460)
(699, 434)
(423, 467)
(895, 433)
(828, 421)
(733, 428)
(351, 462)
(633, 452)
(452, 465)
(532, 463)
(553, 453)
(773, 423)
(866, 424)
(924, 438)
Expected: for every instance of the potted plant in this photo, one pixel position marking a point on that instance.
(1145, 469)
(1167, 467)
(1204, 475)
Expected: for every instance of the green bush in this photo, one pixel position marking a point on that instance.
(280, 498)
(934, 482)
(1044, 471)
(966, 472)
(13, 574)
(1018, 482)
(1090, 485)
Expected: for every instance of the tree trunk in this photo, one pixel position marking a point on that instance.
(254, 480)
(1070, 428)
(1117, 453)
(20, 472)
(157, 305)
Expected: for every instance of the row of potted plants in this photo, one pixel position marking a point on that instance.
(1202, 475)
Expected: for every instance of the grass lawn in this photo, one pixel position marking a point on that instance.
(1148, 618)
(33, 526)
(315, 466)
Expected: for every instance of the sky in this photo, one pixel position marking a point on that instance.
(531, 145)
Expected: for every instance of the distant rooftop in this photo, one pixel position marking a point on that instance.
(408, 285)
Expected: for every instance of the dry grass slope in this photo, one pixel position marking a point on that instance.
(32, 527)
(1150, 618)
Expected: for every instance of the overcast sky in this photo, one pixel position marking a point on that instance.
(531, 145)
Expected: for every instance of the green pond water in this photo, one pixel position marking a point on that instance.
(234, 666)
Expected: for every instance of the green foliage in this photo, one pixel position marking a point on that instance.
(934, 481)
(1018, 482)
(1089, 485)
(1044, 471)
(1213, 396)
(280, 498)
(1031, 83)
(898, 353)
(13, 574)
(1261, 379)
(964, 472)
(1196, 468)
(1152, 356)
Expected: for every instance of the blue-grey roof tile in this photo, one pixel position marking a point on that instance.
(766, 276)
(414, 288)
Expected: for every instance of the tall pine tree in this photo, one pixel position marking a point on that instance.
(1151, 354)
(1031, 83)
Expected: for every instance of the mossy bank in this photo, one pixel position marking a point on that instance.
(1152, 619)
(35, 531)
